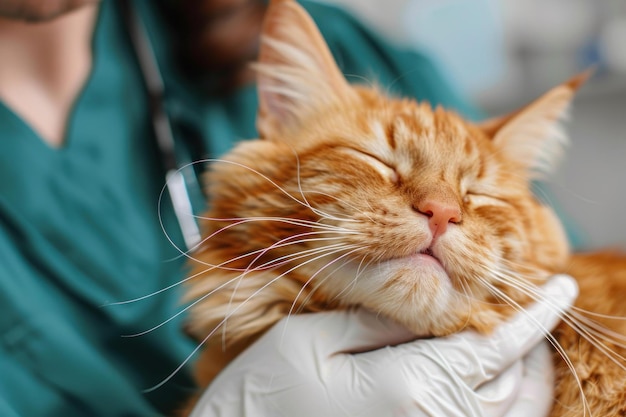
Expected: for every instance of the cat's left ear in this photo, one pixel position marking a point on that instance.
(533, 136)
(296, 72)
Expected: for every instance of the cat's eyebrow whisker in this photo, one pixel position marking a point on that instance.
(281, 189)
(344, 202)
(315, 210)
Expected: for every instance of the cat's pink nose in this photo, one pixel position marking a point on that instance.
(440, 214)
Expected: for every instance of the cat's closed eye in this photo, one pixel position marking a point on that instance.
(481, 199)
(385, 169)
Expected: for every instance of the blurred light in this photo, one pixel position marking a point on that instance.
(613, 44)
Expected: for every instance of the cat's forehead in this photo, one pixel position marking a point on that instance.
(410, 132)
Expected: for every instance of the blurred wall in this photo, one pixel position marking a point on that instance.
(504, 53)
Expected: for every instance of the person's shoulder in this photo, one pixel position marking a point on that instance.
(332, 19)
(319, 9)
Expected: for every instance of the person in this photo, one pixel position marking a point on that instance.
(82, 227)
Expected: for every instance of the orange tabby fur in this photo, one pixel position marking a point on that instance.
(354, 198)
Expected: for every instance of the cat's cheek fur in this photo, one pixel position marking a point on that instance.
(548, 236)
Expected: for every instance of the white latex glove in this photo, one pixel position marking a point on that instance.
(300, 368)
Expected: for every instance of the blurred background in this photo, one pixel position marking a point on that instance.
(505, 53)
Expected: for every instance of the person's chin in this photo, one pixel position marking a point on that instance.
(37, 11)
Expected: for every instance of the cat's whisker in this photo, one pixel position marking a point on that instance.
(367, 81)
(201, 298)
(582, 317)
(180, 282)
(277, 262)
(295, 222)
(287, 242)
(602, 316)
(351, 284)
(288, 258)
(226, 317)
(467, 290)
(593, 331)
(281, 243)
(598, 335)
(212, 267)
(295, 256)
(312, 277)
(263, 287)
(287, 220)
(274, 263)
(359, 271)
(547, 334)
(183, 310)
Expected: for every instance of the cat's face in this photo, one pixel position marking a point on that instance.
(353, 198)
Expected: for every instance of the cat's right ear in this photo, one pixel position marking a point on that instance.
(296, 73)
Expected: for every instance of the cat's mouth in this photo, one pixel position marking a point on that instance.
(422, 258)
(427, 256)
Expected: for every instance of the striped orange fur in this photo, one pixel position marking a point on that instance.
(353, 198)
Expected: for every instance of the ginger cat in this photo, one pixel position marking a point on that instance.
(354, 198)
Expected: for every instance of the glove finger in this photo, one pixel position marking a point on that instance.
(537, 387)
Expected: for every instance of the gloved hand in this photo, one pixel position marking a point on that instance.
(301, 368)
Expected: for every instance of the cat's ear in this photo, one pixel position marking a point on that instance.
(533, 136)
(296, 72)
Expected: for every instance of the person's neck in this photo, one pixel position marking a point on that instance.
(44, 67)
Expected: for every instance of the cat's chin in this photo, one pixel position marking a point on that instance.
(414, 290)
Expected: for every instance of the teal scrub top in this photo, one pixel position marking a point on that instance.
(79, 225)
